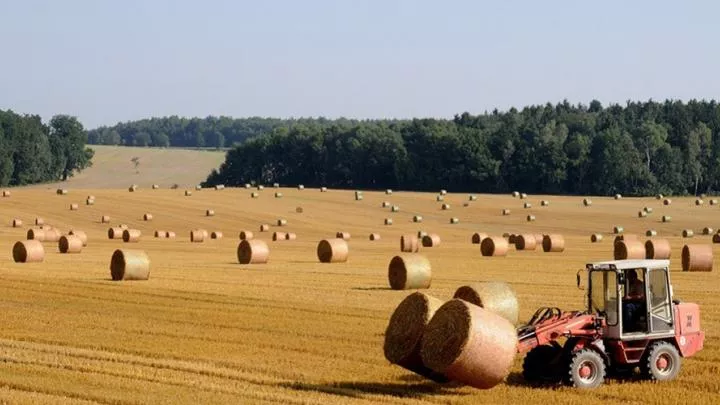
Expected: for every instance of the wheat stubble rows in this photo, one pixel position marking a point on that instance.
(205, 329)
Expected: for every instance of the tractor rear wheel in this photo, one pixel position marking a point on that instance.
(542, 363)
(586, 369)
(662, 362)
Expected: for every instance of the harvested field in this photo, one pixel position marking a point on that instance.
(206, 329)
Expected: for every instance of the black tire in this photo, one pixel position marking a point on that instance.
(662, 362)
(586, 369)
(542, 363)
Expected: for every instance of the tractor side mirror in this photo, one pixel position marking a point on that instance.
(579, 286)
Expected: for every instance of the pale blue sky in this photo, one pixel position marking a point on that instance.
(108, 61)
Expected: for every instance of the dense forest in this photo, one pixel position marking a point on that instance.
(640, 148)
(34, 152)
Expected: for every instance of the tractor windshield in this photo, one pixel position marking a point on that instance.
(603, 294)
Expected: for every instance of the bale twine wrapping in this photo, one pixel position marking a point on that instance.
(506, 211)
(332, 251)
(28, 251)
(667, 201)
(618, 230)
(147, 217)
(343, 235)
(666, 218)
(170, 235)
(707, 231)
(530, 218)
(697, 258)
(188, 193)
(115, 233)
(649, 210)
(409, 243)
(374, 236)
(495, 296)
(216, 235)
(70, 244)
(80, 234)
(127, 264)
(431, 240)
(264, 228)
(527, 205)
(494, 246)
(688, 233)
(198, 235)
(454, 220)
(544, 203)
(469, 344)
(74, 207)
(409, 272)
(52, 235)
(657, 249)
(160, 234)
(388, 221)
(209, 213)
(628, 249)
(39, 221)
(105, 219)
(642, 214)
(587, 202)
(651, 232)
(417, 218)
(525, 242)
(477, 238)
(246, 235)
(699, 202)
(131, 235)
(403, 335)
(596, 237)
(553, 243)
(17, 223)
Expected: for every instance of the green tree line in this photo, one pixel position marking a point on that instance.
(34, 152)
(640, 148)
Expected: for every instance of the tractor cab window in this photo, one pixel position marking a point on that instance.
(603, 295)
(659, 298)
(634, 301)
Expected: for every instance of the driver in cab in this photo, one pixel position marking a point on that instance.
(634, 298)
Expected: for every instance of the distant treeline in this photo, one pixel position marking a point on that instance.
(34, 152)
(210, 132)
(641, 148)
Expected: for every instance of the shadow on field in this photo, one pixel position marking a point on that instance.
(354, 389)
(372, 288)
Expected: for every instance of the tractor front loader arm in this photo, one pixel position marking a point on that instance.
(549, 324)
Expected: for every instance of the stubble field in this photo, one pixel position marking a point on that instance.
(205, 329)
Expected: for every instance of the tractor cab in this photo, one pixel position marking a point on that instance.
(633, 296)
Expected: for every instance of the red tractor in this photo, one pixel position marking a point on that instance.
(631, 321)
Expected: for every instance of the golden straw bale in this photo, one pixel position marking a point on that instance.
(105, 219)
(494, 246)
(246, 235)
(374, 236)
(332, 251)
(170, 235)
(495, 296)
(409, 243)
(17, 223)
(80, 234)
(127, 264)
(525, 242)
(343, 235)
(657, 249)
(70, 244)
(477, 238)
(409, 271)
(388, 221)
(431, 240)
(28, 251)
(115, 233)
(628, 249)
(290, 236)
(697, 258)
(553, 243)
(198, 235)
(253, 251)
(277, 236)
(39, 221)
(74, 207)
(281, 222)
(209, 213)
(216, 235)
(596, 237)
(131, 235)
(147, 217)
(264, 228)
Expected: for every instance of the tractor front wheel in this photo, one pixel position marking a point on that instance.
(662, 362)
(586, 369)
(542, 363)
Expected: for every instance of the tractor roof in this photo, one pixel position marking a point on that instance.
(631, 264)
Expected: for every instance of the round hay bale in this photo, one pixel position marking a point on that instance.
(155, 186)
(697, 258)
(527, 205)
(618, 196)
(299, 210)
(160, 234)
(358, 197)
(649, 210)
(374, 236)
(385, 204)
(123, 226)
(62, 191)
(618, 230)
(198, 187)
(278, 195)
(666, 218)
(511, 238)
(650, 233)
(264, 228)
(707, 231)
(642, 214)
(290, 236)
(323, 189)
(477, 238)
(188, 193)
(587, 202)
(445, 207)
(409, 243)
(28, 251)
(628, 249)
(276, 185)
(659, 197)
(39, 221)
(667, 201)
(260, 187)
(127, 264)
(300, 187)
(388, 221)
(254, 195)
(70, 244)
(439, 198)
(596, 237)
(115, 233)
(525, 242)
(493, 246)
(170, 235)
(516, 194)
(281, 222)
(530, 218)
(713, 202)
(421, 234)
(52, 235)
(105, 219)
(198, 235)
(716, 238)
(131, 235)
(404, 332)
(388, 192)
(495, 296)
(209, 213)
(80, 234)
(91, 197)
(443, 192)
(147, 217)
(688, 233)
(409, 272)
(506, 211)
(6, 193)
(246, 235)
(523, 196)
(74, 207)
(417, 218)
(454, 220)
(469, 344)
(699, 202)
(472, 197)
(132, 188)
(553, 243)
(395, 208)
(220, 187)
(431, 240)
(544, 203)
(657, 249)
(17, 223)
(626, 237)
(216, 235)
(89, 202)
(277, 236)
(343, 235)
(332, 251)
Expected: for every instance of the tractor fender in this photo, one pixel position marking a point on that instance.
(576, 343)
